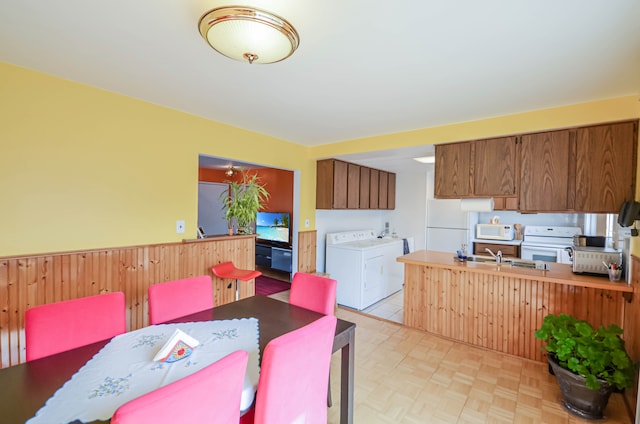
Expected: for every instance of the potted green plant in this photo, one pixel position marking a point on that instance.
(588, 363)
(243, 199)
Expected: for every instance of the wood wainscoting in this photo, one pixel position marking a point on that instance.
(28, 281)
(307, 251)
(500, 313)
(632, 331)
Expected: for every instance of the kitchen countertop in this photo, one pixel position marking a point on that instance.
(559, 273)
(507, 242)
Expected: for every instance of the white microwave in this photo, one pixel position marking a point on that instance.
(495, 232)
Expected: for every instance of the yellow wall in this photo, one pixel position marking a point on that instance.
(83, 168)
(609, 110)
(581, 114)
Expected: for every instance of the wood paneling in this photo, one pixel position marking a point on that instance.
(391, 196)
(383, 189)
(453, 170)
(632, 329)
(495, 167)
(28, 281)
(508, 250)
(374, 188)
(605, 166)
(324, 184)
(544, 177)
(498, 312)
(353, 186)
(307, 251)
(344, 185)
(365, 182)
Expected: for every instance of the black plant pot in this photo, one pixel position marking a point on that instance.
(578, 398)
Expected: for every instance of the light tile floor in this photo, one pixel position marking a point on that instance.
(390, 308)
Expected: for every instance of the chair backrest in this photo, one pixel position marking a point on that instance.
(313, 292)
(211, 395)
(294, 375)
(174, 299)
(56, 327)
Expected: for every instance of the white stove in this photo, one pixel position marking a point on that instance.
(548, 244)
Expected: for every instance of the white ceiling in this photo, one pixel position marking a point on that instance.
(363, 68)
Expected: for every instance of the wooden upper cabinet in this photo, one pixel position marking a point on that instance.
(391, 192)
(365, 176)
(588, 169)
(495, 167)
(383, 189)
(344, 185)
(544, 171)
(353, 186)
(374, 187)
(605, 166)
(452, 176)
(331, 187)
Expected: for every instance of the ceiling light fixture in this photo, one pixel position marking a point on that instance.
(229, 172)
(426, 159)
(249, 34)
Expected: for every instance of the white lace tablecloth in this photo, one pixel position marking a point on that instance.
(124, 370)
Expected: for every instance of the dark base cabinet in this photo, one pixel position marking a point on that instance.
(274, 257)
(263, 255)
(508, 250)
(281, 259)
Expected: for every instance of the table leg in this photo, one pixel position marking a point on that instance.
(237, 291)
(346, 380)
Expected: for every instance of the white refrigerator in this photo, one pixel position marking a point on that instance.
(448, 227)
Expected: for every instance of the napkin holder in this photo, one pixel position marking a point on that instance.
(179, 346)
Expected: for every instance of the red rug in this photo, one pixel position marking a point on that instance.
(267, 285)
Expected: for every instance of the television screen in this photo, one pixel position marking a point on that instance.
(273, 226)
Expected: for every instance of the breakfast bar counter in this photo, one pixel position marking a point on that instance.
(500, 307)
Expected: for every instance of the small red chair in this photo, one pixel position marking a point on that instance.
(174, 299)
(211, 395)
(294, 376)
(228, 270)
(60, 326)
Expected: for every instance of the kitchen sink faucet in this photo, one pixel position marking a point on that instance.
(497, 256)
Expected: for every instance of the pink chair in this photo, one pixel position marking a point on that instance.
(211, 395)
(229, 270)
(313, 292)
(174, 299)
(316, 293)
(60, 326)
(294, 376)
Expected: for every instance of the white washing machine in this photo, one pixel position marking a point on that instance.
(364, 266)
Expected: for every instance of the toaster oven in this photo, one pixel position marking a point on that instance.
(592, 260)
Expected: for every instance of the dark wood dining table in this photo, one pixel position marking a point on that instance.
(26, 387)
